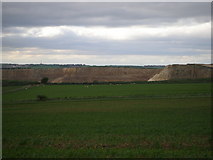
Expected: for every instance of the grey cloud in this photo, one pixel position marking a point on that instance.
(107, 14)
(163, 46)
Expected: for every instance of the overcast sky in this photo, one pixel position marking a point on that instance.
(107, 33)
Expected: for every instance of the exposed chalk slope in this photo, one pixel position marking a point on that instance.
(189, 71)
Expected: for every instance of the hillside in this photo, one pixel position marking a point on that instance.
(80, 74)
(109, 74)
(189, 71)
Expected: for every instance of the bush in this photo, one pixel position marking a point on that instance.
(41, 98)
(44, 80)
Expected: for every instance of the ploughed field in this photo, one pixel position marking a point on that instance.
(104, 121)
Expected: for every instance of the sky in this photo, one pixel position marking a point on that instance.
(106, 33)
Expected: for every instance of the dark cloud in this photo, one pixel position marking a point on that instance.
(107, 14)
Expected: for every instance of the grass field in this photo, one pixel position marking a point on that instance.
(104, 121)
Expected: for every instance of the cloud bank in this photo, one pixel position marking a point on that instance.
(107, 33)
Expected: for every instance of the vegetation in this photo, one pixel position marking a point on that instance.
(41, 98)
(21, 83)
(108, 121)
(17, 83)
(125, 91)
(44, 80)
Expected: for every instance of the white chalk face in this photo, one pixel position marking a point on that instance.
(107, 33)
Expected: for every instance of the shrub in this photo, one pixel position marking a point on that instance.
(41, 98)
(44, 80)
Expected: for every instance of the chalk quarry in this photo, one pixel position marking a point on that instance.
(109, 74)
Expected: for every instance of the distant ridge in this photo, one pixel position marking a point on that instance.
(81, 74)
(49, 66)
(110, 74)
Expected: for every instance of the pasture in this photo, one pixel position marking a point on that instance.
(108, 121)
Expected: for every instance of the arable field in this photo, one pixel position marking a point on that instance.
(105, 121)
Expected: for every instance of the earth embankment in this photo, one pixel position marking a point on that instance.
(81, 74)
(110, 74)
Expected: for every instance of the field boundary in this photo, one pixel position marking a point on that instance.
(102, 98)
(179, 81)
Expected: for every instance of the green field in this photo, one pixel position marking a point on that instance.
(105, 121)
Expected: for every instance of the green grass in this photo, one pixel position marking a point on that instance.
(7, 89)
(174, 126)
(126, 90)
